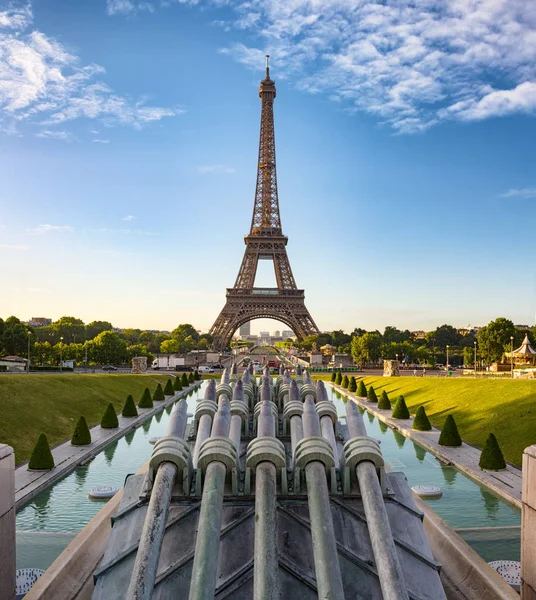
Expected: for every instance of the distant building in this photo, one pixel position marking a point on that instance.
(525, 327)
(286, 333)
(276, 333)
(418, 335)
(40, 322)
(13, 364)
(245, 330)
(264, 334)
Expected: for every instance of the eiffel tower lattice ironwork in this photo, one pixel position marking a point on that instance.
(265, 241)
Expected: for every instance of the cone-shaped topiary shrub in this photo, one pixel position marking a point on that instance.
(146, 400)
(130, 410)
(400, 411)
(352, 386)
(177, 385)
(184, 380)
(333, 376)
(384, 403)
(158, 395)
(371, 395)
(421, 422)
(41, 458)
(345, 381)
(492, 458)
(361, 389)
(191, 378)
(168, 390)
(109, 418)
(338, 378)
(449, 434)
(81, 435)
(197, 377)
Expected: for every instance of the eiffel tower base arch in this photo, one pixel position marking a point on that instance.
(241, 306)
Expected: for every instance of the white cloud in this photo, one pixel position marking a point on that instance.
(129, 218)
(42, 229)
(43, 83)
(58, 135)
(520, 193)
(410, 64)
(216, 169)
(99, 141)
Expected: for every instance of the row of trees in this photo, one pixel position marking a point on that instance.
(371, 346)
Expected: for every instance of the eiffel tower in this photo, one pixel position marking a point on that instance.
(265, 241)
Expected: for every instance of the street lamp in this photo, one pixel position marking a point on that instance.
(447, 360)
(61, 352)
(512, 355)
(475, 357)
(29, 336)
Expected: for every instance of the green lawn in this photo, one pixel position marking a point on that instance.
(30, 404)
(506, 408)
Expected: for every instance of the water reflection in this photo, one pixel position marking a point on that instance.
(370, 417)
(40, 506)
(158, 416)
(109, 452)
(169, 408)
(491, 503)
(420, 452)
(360, 409)
(399, 438)
(80, 475)
(147, 425)
(383, 427)
(130, 436)
(449, 473)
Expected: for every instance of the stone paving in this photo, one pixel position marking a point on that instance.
(505, 483)
(68, 457)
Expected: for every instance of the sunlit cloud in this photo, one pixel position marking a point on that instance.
(44, 229)
(520, 193)
(216, 169)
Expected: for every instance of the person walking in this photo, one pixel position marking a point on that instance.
(423, 372)
(414, 372)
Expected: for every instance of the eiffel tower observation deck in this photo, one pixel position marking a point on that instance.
(245, 302)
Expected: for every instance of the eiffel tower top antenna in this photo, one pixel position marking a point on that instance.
(267, 67)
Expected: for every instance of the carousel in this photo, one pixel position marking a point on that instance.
(524, 355)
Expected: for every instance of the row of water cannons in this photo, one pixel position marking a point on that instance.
(266, 411)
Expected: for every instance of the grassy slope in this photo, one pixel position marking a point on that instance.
(53, 404)
(506, 408)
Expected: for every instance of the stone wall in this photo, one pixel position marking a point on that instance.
(528, 526)
(7, 523)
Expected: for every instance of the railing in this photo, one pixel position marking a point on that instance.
(264, 292)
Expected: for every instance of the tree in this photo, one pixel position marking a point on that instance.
(384, 403)
(338, 378)
(392, 334)
(197, 377)
(494, 339)
(361, 389)
(184, 380)
(168, 390)
(492, 457)
(146, 400)
(186, 337)
(345, 382)
(169, 347)
(95, 327)
(81, 435)
(449, 434)
(14, 337)
(191, 378)
(400, 411)
(366, 348)
(177, 385)
(371, 395)
(352, 386)
(421, 421)
(41, 458)
(70, 329)
(130, 335)
(109, 418)
(139, 350)
(109, 348)
(333, 376)
(130, 410)
(444, 336)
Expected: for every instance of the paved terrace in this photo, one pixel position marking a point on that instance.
(505, 483)
(67, 457)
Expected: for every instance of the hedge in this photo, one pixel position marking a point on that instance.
(191, 378)
(333, 376)
(184, 380)
(352, 386)
(421, 421)
(130, 410)
(158, 395)
(81, 435)
(168, 390)
(41, 458)
(449, 434)
(361, 389)
(345, 382)
(492, 457)
(197, 377)
(400, 411)
(338, 378)
(146, 400)
(109, 418)
(384, 403)
(177, 385)
(371, 395)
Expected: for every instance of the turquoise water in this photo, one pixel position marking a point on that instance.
(464, 503)
(53, 518)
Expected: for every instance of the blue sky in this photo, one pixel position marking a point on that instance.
(405, 147)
